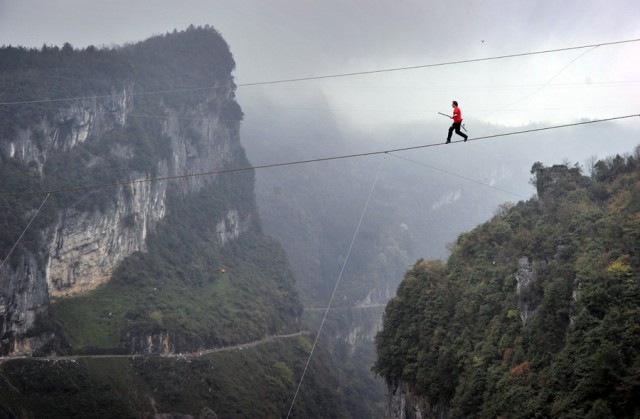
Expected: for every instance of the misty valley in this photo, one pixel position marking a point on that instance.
(170, 251)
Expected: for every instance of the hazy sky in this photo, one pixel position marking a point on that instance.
(279, 39)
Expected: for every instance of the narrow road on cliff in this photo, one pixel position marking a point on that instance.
(239, 346)
(345, 308)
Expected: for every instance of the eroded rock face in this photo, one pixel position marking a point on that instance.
(85, 247)
(81, 120)
(24, 298)
(525, 277)
(403, 404)
(158, 343)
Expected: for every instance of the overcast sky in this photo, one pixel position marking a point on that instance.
(280, 39)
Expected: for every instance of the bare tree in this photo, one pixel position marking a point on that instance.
(590, 165)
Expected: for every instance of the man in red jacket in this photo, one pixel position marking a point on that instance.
(457, 121)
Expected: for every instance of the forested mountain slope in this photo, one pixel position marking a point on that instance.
(536, 313)
(111, 286)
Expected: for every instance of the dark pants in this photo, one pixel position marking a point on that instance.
(456, 126)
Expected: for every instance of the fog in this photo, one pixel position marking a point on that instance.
(282, 39)
(447, 189)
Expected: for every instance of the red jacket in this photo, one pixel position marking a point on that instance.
(457, 115)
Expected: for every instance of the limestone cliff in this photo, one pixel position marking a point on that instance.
(73, 124)
(403, 404)
(526, 279)
(78, 251)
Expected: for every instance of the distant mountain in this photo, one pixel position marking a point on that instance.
(534, 314)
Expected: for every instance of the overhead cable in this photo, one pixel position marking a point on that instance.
(415, 67)
(333, 76)
(24, 231)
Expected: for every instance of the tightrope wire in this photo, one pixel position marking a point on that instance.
(291, 163)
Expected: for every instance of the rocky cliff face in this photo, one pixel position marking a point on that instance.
(526, 284)
(73, 125)
(85, 247)
(81, 248)
(24, 298)
(403, 404)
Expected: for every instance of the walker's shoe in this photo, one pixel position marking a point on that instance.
(448, 141)
(465, 139)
